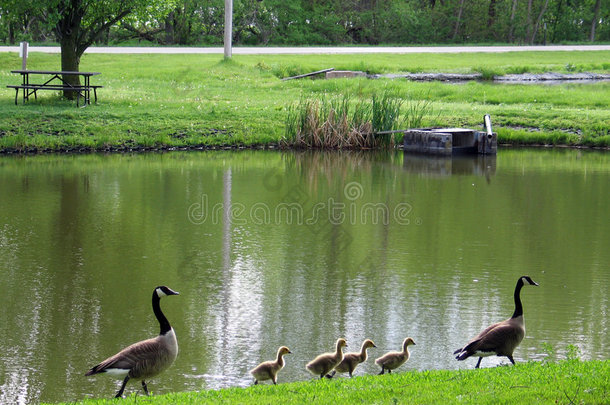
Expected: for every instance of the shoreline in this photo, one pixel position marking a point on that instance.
(267, 147)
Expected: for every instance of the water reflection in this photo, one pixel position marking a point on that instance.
(387, 246)
(479, 165)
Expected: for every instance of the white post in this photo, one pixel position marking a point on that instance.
(228, 28)
(23, 54)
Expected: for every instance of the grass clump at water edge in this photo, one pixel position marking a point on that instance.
(345, 123)
(564, 382)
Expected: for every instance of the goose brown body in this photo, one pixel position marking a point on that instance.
(351, 360)
(144, 359)
(392, 360)
(147, 358)
(502, 338)
(325, 362)
(268, 370)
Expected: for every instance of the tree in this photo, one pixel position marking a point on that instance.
(538, 20)
(511, 26)
(458, 18)
(597, 7)
(77, 24)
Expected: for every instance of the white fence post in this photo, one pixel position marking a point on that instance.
(23, 53)
(228, 28)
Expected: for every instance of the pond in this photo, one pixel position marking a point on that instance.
(278, 248)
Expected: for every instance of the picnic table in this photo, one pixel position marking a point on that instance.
(55, 81)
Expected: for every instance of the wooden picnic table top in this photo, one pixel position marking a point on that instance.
(55, 72)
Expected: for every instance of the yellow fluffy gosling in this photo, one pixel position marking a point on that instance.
(392, 360)
(325, 362)
(351, 360)
(268, 370)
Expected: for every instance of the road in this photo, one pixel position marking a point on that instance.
(317, 50)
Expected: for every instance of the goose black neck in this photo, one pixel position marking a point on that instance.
(518, 307)
(163, 322)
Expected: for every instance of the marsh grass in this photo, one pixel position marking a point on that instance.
(348, 122)
(329, 123)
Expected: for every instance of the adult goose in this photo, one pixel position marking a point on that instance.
(392, 360)
(501, 338)
(145, 359)
(351, 360)
(268, 370)
(325, 362)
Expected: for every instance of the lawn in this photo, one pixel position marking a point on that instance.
(174, 101)
(564, 382)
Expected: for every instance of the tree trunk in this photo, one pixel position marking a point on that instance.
(170, 23)
(458, 19)
(511, 29)
(68, 31)
(538, 20)
(598, 5)
(491, 17)
(558, 13)
(529, 19)
(70, 61)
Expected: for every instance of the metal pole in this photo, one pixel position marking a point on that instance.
(228, 28)
(23, 52)
(488, 129)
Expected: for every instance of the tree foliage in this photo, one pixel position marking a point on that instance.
(309, 22)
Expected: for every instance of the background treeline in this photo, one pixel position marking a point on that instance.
(334, 22)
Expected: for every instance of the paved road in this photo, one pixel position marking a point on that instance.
(319, 50)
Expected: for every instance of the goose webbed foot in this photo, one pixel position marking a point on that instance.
(382, 371)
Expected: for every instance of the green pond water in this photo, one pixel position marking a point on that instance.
(297, 249)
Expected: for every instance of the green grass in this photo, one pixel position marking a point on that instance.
(565, 382)
(175, 101)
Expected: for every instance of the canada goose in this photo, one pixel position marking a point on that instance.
(325, 362)
(351, 360)
(145, 359)
(268, 370)
(500, 338)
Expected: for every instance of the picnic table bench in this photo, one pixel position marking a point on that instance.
(56, 82)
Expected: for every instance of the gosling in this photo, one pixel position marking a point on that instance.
(325, 362)
(351, 360)
(268, 370)
(392, 360)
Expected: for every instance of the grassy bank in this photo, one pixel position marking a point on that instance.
(160, 101)
(565, 382)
